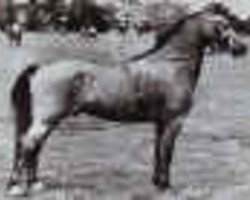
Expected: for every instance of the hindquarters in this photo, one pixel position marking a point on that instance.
(36, 99)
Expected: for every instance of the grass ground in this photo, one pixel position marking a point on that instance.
(91, 159)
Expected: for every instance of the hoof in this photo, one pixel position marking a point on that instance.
(161, 182)
(37, 186)
(17, 190)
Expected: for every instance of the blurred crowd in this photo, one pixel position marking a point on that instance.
(82, 15)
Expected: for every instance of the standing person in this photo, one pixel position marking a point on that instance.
(14, 32)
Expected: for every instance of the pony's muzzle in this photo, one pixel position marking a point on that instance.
(232, 43)
(236, 45)
(239, 49)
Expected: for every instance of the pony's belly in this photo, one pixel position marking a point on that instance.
(125, 112)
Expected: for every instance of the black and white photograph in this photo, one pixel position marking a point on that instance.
(125, 99)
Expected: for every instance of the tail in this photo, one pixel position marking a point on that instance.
(21, 99)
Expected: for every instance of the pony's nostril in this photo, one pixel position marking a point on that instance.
(244, 49)
(240, 50)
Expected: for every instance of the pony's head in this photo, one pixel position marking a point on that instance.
(217, 32)
(197, 31)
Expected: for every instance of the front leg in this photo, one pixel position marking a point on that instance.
(166, 134)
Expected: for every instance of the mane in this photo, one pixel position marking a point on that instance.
(164, 36)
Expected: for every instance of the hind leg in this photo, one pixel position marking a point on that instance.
(16, 171)
(24, 175)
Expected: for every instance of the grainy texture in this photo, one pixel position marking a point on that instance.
(81, 162)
